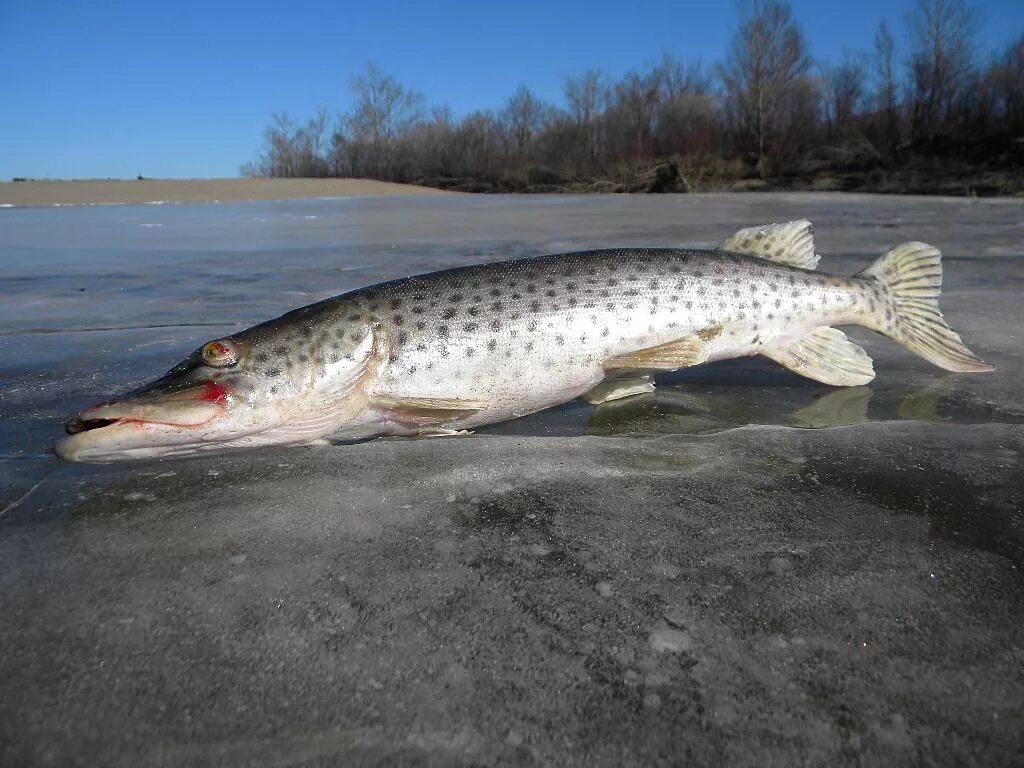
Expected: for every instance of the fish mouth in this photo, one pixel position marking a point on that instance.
(77, 424)
(147, 424)
(182, 409)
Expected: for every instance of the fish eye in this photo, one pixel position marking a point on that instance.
(220, 353)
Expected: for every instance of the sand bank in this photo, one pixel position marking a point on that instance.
(108, 191)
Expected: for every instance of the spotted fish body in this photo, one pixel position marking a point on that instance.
(529, 334)
(453, 350)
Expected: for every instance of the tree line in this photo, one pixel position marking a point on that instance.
(924, 116)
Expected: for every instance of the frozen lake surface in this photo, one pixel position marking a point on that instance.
(746, 567)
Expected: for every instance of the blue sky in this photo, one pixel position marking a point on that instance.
(184, 89)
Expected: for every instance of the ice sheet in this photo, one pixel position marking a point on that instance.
(744, 568)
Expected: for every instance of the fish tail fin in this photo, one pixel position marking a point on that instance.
(910, 278)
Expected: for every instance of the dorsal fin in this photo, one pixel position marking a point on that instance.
(791, 243)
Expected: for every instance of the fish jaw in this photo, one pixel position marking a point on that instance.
(133, 439)
(118, 441)
(154, 423)
(143, 426)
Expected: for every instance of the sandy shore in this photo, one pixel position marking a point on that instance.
(100, 191)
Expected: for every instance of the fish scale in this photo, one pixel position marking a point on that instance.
(452, 350)
(531, 333)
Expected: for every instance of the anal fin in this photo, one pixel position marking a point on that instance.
(426, 410)
(670, 356)
(618, 388)
(825, 355)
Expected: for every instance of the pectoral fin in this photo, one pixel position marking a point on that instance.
(681, 353)
(618, 388)
(825, 355)
(426, 410)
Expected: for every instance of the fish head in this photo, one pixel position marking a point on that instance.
(291, 380)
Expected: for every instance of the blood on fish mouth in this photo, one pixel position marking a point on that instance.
(182, 409)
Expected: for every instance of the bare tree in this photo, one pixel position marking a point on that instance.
(767, 59)
(292, 150)
(636, 99)
(587, 97)
(309, 143)
(1008, 77)
(523, 116)
(667, 117)
(384, 108)
(677, 78)
(430, 144)
(845, 82)
(886, 87)
(684, 116)
(686, 125)
(281, 159)
(941, 60)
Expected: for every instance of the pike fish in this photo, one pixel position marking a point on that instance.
(445, 352)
